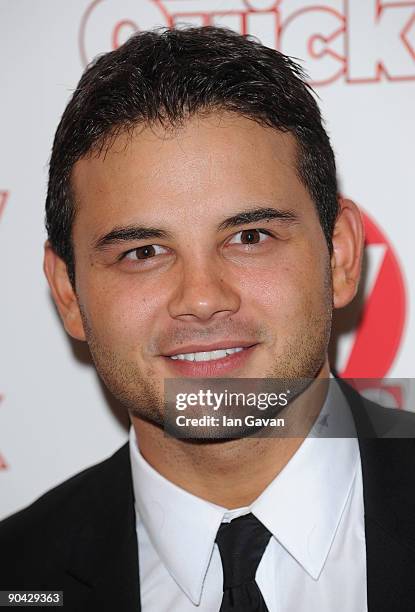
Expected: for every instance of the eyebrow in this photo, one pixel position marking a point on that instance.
(132, 233)
(128, 234)
(258, 214)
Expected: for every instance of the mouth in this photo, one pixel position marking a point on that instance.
(211, 361)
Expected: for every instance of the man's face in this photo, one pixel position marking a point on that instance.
(200, 276)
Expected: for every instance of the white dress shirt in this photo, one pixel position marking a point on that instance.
(315, 560)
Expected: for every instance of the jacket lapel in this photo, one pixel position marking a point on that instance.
(102, 570)
(388, 470)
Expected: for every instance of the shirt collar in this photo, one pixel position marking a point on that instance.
(301, 507)
(181, 526)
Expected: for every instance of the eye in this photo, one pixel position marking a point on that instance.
(250, 236)
(145, 252)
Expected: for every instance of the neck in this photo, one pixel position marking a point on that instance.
(230, 473)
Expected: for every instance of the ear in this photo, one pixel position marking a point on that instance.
(348, 245)
(63, 293)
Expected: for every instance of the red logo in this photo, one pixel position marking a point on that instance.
(3, 199)
(369, 350)
(358, 42)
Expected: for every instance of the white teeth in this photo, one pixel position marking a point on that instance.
(234, 350)
(207, 355)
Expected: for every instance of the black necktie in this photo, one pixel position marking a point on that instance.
(242, 543)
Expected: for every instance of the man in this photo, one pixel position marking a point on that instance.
(195, 231)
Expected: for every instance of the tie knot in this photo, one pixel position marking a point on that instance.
(241, 543)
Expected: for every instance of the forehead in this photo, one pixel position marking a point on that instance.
(210, 162)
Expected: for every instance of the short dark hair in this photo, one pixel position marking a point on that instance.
(167, 76)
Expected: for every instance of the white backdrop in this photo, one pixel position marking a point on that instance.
(55, 418)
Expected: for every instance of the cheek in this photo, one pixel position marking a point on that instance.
(123, 313)
(292, 288)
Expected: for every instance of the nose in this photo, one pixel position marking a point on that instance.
(203, 293)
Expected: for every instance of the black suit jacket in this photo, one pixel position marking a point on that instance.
(80, 537)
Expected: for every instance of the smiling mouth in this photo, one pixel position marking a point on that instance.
(218, 361)
(208, 355)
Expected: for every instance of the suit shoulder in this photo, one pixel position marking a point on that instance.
(374, 421)
(54, 510)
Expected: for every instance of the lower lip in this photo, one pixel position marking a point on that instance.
(215, 367)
